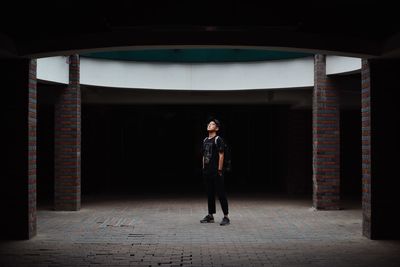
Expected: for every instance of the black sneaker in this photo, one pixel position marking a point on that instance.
(225, 221)
(207, 219)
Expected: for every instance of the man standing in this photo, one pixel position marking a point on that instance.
(213, 160)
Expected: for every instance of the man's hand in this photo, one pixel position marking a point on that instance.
(220, 172)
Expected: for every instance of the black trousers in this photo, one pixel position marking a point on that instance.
(215, 182)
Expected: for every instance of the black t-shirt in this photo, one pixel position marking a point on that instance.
(211, 151)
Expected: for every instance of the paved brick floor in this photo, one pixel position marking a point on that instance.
(266, 230)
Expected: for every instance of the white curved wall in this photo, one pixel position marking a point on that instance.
(336, 64)
(292, 73)
(54, 69)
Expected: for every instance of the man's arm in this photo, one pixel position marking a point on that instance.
(203, 162)
(221, 160)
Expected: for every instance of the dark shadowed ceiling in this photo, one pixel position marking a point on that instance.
(39, 28)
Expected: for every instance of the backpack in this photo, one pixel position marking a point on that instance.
(227, 155)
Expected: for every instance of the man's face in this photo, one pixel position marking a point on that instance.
(212, 127)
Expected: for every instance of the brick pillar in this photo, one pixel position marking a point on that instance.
(32, 141)
(18, 135)
(380, 148)
(68, 142)
(326, 139)
(366, 149)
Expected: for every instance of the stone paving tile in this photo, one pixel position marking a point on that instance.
(265, 230)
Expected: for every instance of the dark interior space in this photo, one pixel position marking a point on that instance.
(155, 149)
(350, 151)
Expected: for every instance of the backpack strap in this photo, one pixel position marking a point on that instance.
(215, 139)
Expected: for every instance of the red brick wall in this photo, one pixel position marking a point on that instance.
(326, 139)
(68, 142)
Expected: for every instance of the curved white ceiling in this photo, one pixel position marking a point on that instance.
(289, 73)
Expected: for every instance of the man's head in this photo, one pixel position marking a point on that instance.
(213, 125)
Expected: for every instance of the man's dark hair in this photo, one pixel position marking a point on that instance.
(216, 121)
